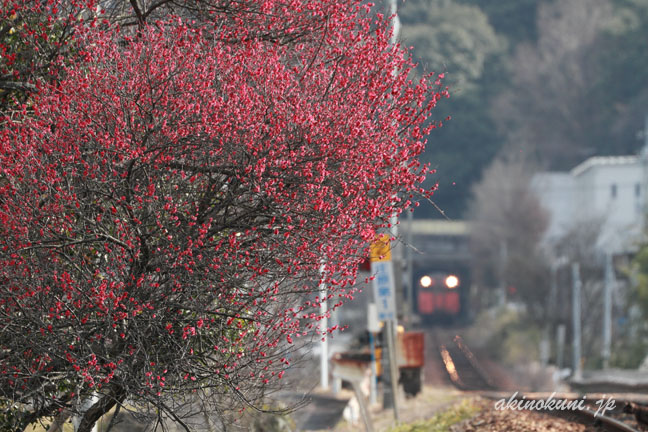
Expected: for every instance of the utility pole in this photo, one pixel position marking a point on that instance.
(503, 250)
(373, 327)
(607, 310)
(552, 306)
(385, 298)
(324, 372)
(560, 345)
(396, 25)
(409, 284)
(390, 373)
(576, 321)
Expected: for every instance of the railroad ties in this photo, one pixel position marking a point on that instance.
(464, 372)
(462, 366)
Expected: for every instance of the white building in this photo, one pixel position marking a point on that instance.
(606, 191)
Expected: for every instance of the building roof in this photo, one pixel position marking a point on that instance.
(603, 161)
(551, 179)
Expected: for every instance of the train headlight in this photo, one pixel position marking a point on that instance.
(426, 281)
(452, 281)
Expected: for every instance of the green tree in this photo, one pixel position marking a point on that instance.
(630, 345)
(458, 40)
(547, 110)
(640, 294)
(514, 19)
(579, 90)
(449, 37)
(620, 89)
(461, 149)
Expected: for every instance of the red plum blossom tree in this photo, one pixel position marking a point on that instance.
(174, 193)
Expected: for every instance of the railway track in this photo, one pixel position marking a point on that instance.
(464, 372)
(462, 366)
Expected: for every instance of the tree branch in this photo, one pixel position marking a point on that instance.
(15, 85)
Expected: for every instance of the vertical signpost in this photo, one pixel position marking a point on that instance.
(385, 298)
(383, 283)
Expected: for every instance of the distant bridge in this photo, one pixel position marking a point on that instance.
(438, 240)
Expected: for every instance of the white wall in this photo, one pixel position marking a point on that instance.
(585, 194)
(622, 209)
(555, 192)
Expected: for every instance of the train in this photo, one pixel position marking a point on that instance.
(441, 296)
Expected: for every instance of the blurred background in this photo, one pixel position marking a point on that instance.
(541, 174)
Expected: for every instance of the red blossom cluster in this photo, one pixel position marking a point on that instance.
(171, 200)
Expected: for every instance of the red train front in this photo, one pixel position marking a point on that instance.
(439, 297)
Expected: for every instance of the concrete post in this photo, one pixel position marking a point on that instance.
(576, 321)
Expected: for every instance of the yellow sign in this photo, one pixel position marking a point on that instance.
(380, 249)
